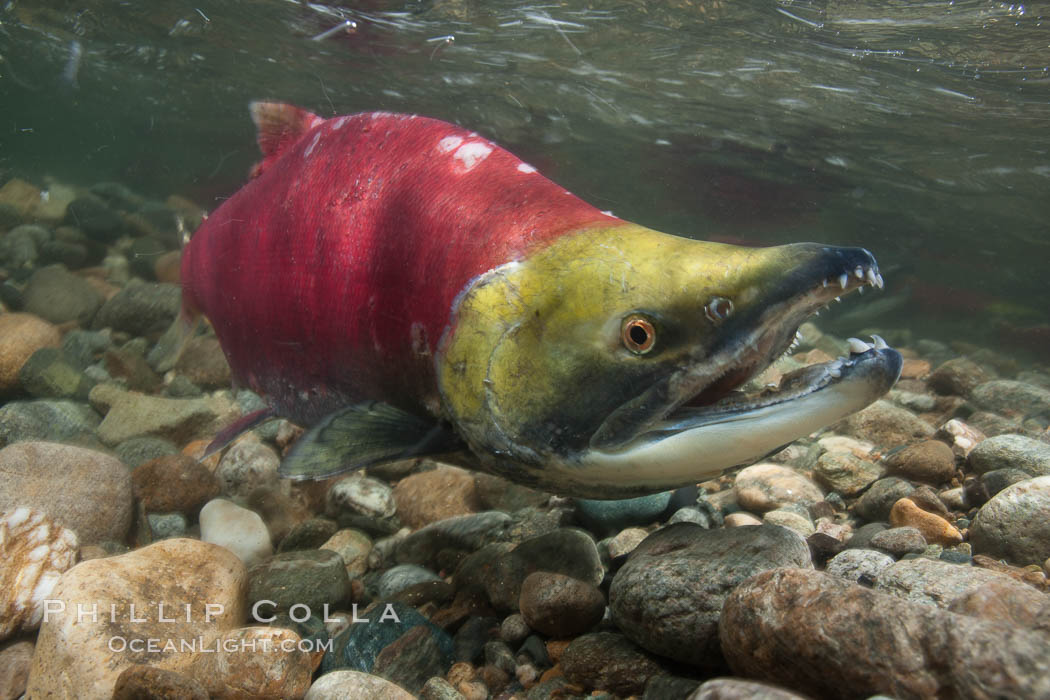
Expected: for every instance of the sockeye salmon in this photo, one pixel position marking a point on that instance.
(402, 286)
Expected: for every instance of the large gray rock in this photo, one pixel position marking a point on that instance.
(668, 596)
(935, 582)
(55, 294)
(140, 308)
(818, 635)
(1015, 524)
(1011, 398)
(50, 420)
(1011, 452)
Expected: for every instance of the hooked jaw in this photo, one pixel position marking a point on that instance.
(804, 278)
(694, 424)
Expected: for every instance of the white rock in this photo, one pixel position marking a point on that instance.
(339, 685)
(362, 495)
(237, 529)
(90, 633)
(34, 553)
(842, 443)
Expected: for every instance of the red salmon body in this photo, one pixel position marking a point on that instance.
(331, 276)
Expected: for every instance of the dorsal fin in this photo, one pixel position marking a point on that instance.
(279, 125)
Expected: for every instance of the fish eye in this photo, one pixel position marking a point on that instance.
(638, 334)
(718, 309)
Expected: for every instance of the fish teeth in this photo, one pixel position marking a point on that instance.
(878, 279)
(843, 280)
(857, 346)
(858, 272)
(872, 278)
(879, 343)
(835, 371)
(825, 283)
(838, 299)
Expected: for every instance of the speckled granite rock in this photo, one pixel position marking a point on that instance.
(818, 635)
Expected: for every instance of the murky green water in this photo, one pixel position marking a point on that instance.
(917, 129)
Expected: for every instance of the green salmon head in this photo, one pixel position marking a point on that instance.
(605, 364)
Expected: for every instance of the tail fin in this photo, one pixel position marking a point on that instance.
(279, 125)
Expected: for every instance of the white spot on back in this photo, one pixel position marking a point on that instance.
(310, 148)
(472, 153)
(338, 123)
(525, 168)
(449, 143)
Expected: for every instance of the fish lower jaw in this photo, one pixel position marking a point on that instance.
(691, 448)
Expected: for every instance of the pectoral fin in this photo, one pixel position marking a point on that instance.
(361, 435)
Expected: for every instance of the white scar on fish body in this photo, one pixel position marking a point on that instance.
(313, 144)
(525, 168)
(338, 123)
(449, 143)
(472, 153)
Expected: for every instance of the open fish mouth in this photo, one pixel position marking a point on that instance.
(706, 392)
(865, 374)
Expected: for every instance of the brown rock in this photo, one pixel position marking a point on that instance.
(83, 657)
(935, 529)
(434, 495)
(132, 368)
(957, 377)
(20, 336)
(886, 424)
(277, 669)
(142, 682)
(610, 662)
(15, 661)
(811, 632)
(914, 368)
(204, 364)
(86, 491)
(559, 605)
(1036, 579)
(34, 553)
(999, 601)
(174, 484)
(929, 461)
